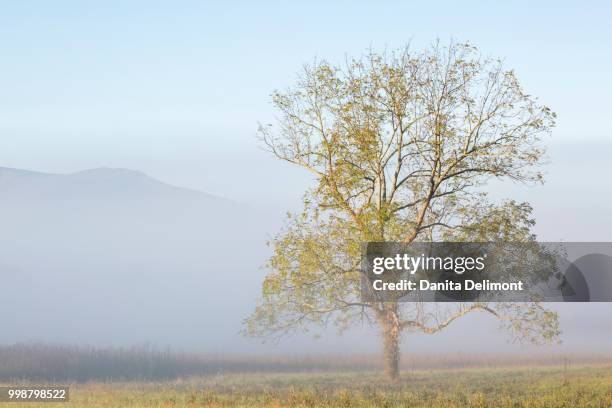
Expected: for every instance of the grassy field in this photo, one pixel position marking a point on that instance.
(512, 387)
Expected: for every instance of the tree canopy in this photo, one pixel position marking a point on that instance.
(402, 145)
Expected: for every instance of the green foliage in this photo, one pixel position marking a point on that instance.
(402, 146)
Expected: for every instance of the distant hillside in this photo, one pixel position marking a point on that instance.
(115, 256)
(98, 183)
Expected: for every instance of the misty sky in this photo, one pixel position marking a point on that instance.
(176, 89)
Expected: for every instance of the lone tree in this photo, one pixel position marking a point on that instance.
(401, 145)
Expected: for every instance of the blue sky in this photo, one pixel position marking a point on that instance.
(176, 88)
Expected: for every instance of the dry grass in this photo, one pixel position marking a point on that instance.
(511, 387)
(41, 362)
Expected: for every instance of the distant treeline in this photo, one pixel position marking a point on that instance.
(43, 362)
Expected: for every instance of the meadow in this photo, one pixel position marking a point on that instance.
(515, 387)
(341, 381)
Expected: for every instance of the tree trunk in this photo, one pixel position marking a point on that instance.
(391, 352)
